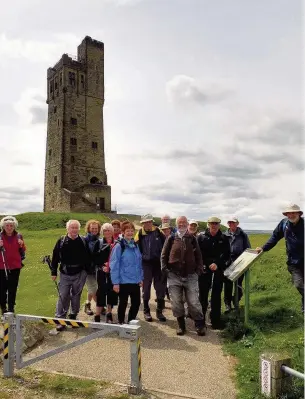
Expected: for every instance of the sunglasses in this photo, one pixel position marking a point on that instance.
(214, 223)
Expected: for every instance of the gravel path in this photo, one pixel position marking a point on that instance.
(190, 365)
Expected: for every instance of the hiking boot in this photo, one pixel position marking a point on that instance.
(88, 310)
(97, 318)
(103, 312)
(218, 325)
(200, 327)
(60, 328)
(228, 307)
(109, 318)
(161, 305)
(181, 326)
(147, 315)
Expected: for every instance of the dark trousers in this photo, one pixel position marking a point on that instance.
(8, 288)
(105, 294)
(228, 290)
(297, 277)
(152, 274)
(205, 283)
(126, 291)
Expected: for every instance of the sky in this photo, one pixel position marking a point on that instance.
(203, 110)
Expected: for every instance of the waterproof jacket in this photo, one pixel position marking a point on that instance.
(214, 249)
(126, 267)
(92, 241)
(294, 237)
(239, 241)
(181, 255)
(101, 252)
(13, 251)
(150, 243)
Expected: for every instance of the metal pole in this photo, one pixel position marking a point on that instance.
(135, 387)
(18, 342)
(292, 372)
(247, 295)
(8, 345)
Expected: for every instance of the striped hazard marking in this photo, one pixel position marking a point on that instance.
(5, 341)
(139, 360)
(56, 322)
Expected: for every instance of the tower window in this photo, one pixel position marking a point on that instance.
(55, 179)
(51, 86)
(55, 109)
(82, 81)
(57, 122)
(72, 159)
(94, 145)
(50, 153)
(56, 84)
(60, 79)
(73, 121)
(73, 141)
(72, 78)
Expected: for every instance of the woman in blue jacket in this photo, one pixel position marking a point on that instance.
(127, 273)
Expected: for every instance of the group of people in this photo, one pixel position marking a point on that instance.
(116, 263)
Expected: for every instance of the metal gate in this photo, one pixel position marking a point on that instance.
(12, 343)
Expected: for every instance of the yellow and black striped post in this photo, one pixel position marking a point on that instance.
(135, 387)
(71, 323)
(8, 345)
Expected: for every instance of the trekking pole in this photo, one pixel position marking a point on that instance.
(4, 262)
(47, 259)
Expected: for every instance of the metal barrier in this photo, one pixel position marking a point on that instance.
(276, 374)
(13, 335)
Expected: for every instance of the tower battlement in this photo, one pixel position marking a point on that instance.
(75, 173)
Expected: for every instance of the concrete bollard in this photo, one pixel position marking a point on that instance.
(273, 380)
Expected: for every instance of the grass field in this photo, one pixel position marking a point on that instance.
(276, 322)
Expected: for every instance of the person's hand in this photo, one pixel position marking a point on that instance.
(54, 278)
(259, 250)
(116, 288)
(1, 243)
(20, 242)
(213, 267)
(106, 269)
(141, 284)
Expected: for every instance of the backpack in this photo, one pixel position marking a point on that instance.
(285, 226)
(64, 239)
(122, 244)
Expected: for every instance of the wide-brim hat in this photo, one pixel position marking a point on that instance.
(8, 219)
(165, 226)
(147, 218)
(233, 219)
(214, 219)
(192, 221)
(292, 208)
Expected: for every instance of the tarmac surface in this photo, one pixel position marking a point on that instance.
(188, 366)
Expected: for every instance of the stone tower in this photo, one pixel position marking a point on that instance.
(75, 174)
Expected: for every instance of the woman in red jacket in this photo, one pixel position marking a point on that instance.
(12, 250)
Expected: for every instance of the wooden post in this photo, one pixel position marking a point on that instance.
(273, 380)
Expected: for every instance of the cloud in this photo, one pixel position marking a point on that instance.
(39, 114)
(185, 89)
(17, 193)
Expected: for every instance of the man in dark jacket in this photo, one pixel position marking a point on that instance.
(150, 240)
(215, 250)
(239, 242)
(181, 261)
(292, 229)
(72, 253)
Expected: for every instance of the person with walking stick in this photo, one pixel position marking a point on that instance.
(12, 250)
(72, 253)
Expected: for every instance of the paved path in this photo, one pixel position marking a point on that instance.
(189, 365)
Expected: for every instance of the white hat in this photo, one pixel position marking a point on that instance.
(233, 219)
(292, 208)
(147, 218)
(192, 221)
(214, 219)
(8, 219)
(165, 226)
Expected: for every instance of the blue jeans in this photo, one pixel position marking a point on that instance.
(180, 287)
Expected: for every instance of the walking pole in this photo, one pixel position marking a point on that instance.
(46, 259)
(4, 262)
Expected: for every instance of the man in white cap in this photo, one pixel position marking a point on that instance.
(292, 229)
(193, 227)
(215, 250)
(150, 240)
(239, 242)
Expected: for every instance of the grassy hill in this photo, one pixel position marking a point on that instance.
(44, 221)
